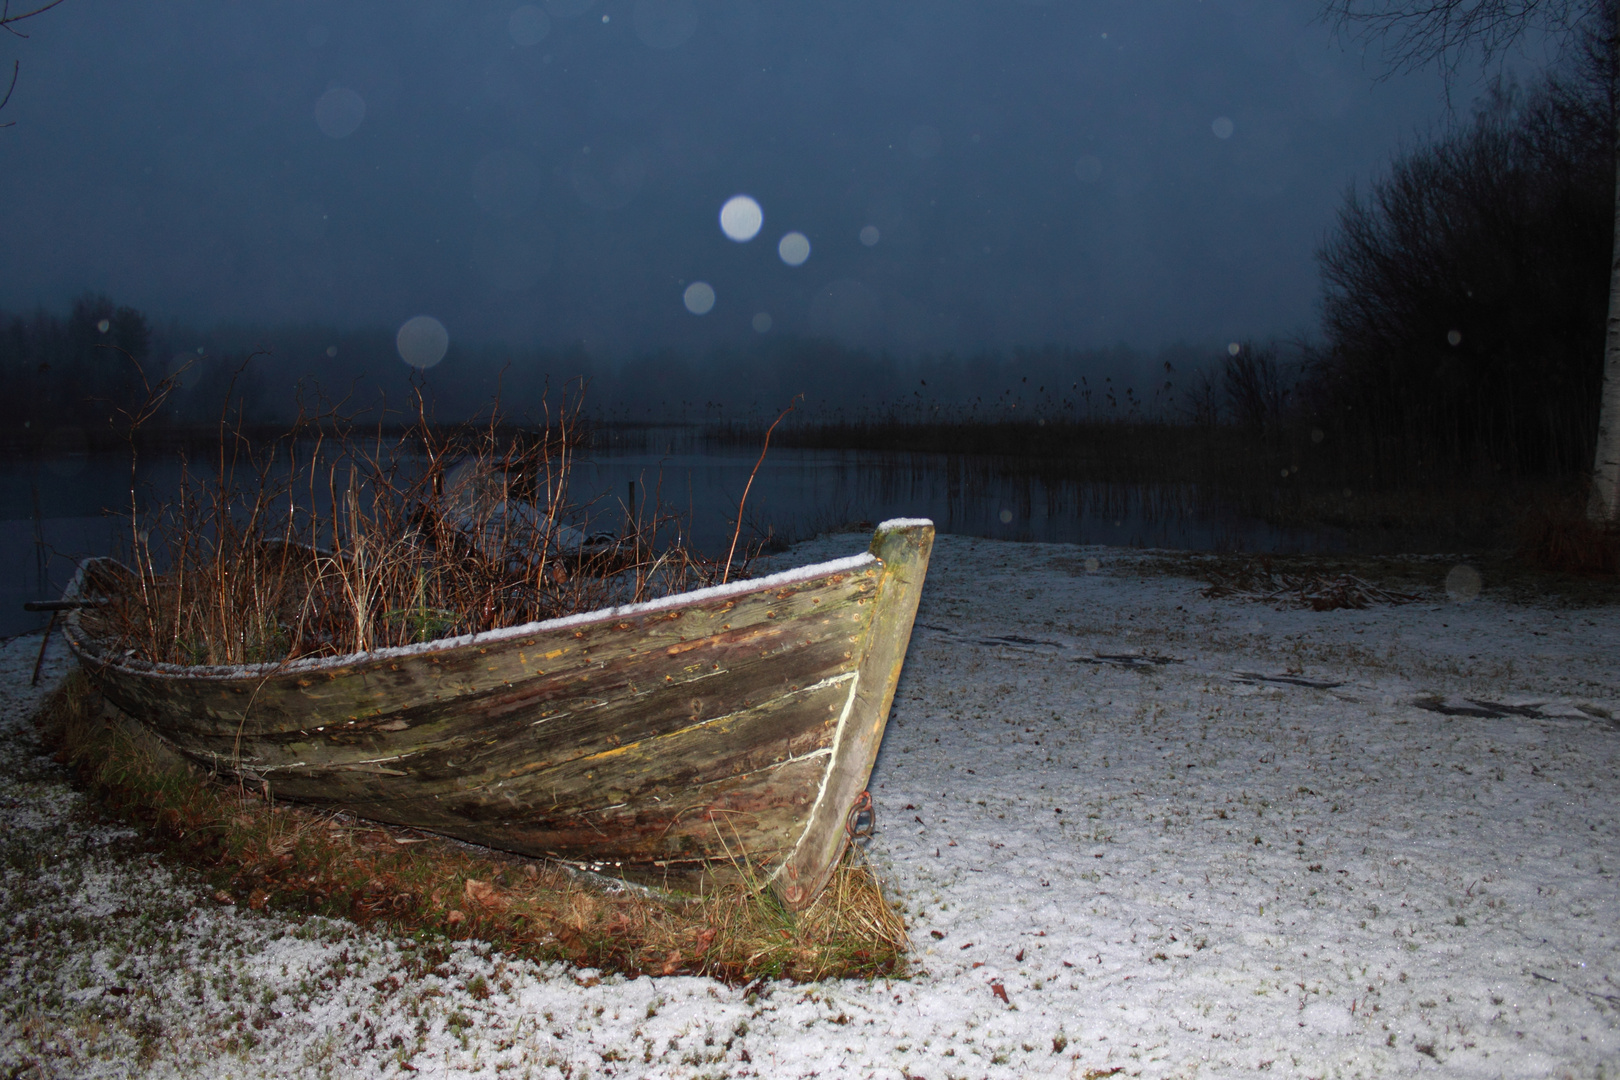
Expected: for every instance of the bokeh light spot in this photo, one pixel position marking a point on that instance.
(1454, 338)
(1233, 348)
(422, 341)
(794, 248)
(1222, 127)
(741, 218)
(1317, 434)
(528, 25)
(339, 112)
(699, 298)
(331, 350)
(1006, 517)
(103, 325)
(1463, 583)
(1092, 565)
(762, 322)
(870, 236)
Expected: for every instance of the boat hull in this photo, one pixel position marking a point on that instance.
(728, 727)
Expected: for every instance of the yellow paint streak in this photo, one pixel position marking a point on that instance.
(627, 747)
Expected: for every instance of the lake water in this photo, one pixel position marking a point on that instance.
(56, 510)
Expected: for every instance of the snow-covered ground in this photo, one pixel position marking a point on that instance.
(1132, 829)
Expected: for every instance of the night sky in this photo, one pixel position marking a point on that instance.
(968, 174)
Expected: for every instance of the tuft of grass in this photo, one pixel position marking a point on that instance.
(1555, 535)
(1507, 575)
(288, 858)
(1317, 591)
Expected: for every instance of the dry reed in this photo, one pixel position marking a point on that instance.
(1555, 534)
(329, 544)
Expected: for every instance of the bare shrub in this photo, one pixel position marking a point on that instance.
(325, 543)
(1254, 387)
(1555, 534)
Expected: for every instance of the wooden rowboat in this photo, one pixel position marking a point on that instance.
(648, 741)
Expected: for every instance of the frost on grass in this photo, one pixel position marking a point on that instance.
(1268, 854)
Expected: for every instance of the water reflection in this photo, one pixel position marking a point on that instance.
(61, 507)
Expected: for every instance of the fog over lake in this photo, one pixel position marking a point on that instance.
(704, 210)
(943, 177)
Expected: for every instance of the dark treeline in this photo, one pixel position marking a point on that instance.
(88, 373)
(71, 371)
(1464, 308)
(1452, 397)
(1466, 293)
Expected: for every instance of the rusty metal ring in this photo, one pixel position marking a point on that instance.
(852, 826)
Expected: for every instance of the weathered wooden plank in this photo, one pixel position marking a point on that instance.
(477, 732)
(602, 660)
(511, 778)
(757, 814)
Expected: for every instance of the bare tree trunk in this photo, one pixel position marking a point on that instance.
(1603, 505)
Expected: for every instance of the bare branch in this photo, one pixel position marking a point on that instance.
(1445, 32)
(16, 66)
(7, 19)
(8, 23)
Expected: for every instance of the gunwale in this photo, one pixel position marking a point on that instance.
(797, 575)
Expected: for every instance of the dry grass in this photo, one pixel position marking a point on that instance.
(321, 544)
(1556, 535)
(289, 858)
(1315, 590)
(1506, 576)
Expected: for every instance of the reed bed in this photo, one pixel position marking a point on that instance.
(1380, 492)
(317, 544)
(255, 854)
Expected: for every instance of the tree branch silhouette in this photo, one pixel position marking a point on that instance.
(8, 23)
(1444, 32)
